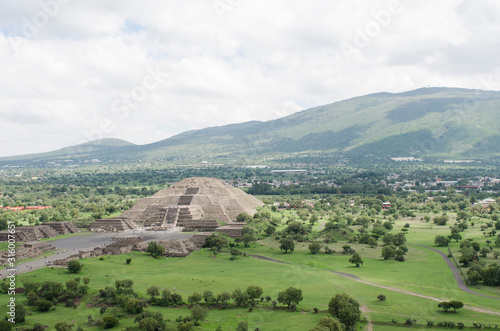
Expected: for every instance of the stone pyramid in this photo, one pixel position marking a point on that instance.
(200, 201)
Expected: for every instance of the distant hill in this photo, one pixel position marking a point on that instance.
(92, 149)
(437, 122)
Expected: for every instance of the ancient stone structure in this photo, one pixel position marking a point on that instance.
(37, 232)
(113, 224)
(29, 233)
(63, 227)
(27, 250)
(196, 204)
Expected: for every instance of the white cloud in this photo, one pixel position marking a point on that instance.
(65, 78)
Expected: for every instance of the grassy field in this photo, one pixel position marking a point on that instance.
(424, 272)
(201, 271)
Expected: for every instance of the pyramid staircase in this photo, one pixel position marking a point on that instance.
(155, 216)
(113, 224)
(63, 227)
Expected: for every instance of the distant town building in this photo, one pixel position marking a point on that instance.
(291, 171)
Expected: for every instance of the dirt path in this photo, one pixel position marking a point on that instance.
(456, 273)
(355, 278)
(366, 310)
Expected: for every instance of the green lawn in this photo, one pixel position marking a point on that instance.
(200, 271)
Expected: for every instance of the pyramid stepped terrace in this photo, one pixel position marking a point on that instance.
(195, 204)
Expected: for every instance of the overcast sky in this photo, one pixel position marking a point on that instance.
(73, 71)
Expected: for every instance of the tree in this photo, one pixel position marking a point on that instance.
(372, 242)
(399, 239)
(155, 249)
(153, 291)
(32, 298)
(109, 322)
(441, 220)
(287, 244)
(128, 260)
(381, 297)
(474, 277)
(239, 296)
(215, 241)
(20, 314)
(5, 325)
(150, 321)
(198, 314)
(133, 306)
(43, 305)
(456, 236)
(484, 252)
(356, 259)
(314, 247)
(388, 239)
(184, 326)
(441, 240)
(289, 296)
(270, 230)
(124, 286)
(345, 308)
(194, 298)
(51, 290)
(447, 305)
(328, 324)
(247, 238)
(388, 252)
(31, 286)
(208, 296)
(399, 255)
(253, 292)
(74, 266)
(150, 324)
(63, 326)
(223, 297)
(243, 217)
(242, 326)
(491, 275)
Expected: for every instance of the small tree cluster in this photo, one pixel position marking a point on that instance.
(447, 305)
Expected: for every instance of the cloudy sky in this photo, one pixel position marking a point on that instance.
(73, 71)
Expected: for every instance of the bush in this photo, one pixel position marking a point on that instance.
(242, 326)
(109, 322)
(128, 260)
(70, 303)
(185, 326)
(43, 305)
(381, 297)
(63, 326)
(36, 327)
(5, 325)
(74, 266)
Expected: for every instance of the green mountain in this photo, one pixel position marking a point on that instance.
(89, 150)
(431, 122)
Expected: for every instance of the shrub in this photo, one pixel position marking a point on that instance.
(5, 325)
(128, 260)
(63, 326)
(74, 266)
(36, 327)
(381, 297)
(43, 305)
(109, 322)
